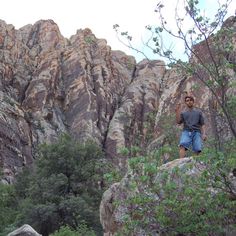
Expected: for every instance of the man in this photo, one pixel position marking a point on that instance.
(194, 128)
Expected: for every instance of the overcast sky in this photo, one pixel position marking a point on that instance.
(98, 15)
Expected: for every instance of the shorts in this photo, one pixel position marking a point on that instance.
(191, 139)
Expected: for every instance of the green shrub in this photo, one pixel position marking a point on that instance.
(181, 204)
(82, 230)
(8, 205)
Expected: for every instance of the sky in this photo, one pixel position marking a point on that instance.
(98, 15)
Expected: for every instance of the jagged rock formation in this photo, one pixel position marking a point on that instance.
(50, 84)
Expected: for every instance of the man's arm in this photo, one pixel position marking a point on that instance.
(203, 132)
(203, 127)
(178, 114)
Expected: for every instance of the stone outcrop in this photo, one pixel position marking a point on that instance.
(50, 84)
(24, 230)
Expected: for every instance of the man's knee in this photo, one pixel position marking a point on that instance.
(197, 143)
(184, 146)
(185, 140)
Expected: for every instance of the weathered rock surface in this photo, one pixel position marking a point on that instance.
(141, 97)
(25, 230)
(50, 84)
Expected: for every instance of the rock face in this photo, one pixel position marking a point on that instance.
(50, 84)
(25, 230)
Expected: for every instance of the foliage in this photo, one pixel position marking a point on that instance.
(8, 206)
(65, 188)
(82, 230)
(169, 149)
(112, 176)
(177, 203)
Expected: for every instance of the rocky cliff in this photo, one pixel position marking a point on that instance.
(50, 84)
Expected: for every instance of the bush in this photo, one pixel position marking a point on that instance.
(8, 205)
(82, 230)
(181, 204)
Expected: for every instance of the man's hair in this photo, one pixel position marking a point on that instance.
(190, 97)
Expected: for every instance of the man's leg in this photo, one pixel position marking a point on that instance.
(197, 143)
(196, 153)
(182, 152)
(185, 142)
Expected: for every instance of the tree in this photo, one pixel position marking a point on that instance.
(8, 206)
(215, 68)
(64, 188)
(67, 231)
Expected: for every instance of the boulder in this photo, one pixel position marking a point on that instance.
(24, 230)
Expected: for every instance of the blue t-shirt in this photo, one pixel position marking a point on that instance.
(192, 119)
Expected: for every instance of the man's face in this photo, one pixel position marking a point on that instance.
(189, 102)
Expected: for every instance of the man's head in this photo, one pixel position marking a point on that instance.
(189, 101)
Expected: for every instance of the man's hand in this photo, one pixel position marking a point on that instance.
(178, 106)
(203, 132)
(204, 137)
(177, 113)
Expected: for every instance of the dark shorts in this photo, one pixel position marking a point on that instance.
(190, 139)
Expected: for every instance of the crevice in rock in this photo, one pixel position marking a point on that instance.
(133, 75)
(23, 95)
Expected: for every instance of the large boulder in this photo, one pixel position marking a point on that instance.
(24, 230)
